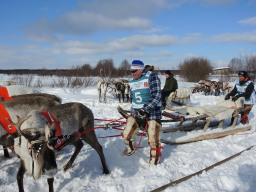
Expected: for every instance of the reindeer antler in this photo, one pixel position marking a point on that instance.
(29, 137)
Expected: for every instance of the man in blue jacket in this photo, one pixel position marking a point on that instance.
(146, 109)
(245, 88)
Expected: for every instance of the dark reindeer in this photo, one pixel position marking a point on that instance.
(122, 89)
(34, 148)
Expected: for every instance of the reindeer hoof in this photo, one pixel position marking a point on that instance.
(66, 167)
(106, 171)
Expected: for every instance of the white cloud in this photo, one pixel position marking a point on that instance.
(250, 21)
(132, 43)
(191, 38)
(249, 37)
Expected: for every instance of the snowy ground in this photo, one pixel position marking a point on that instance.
(133, 173)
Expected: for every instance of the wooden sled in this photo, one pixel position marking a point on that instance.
(206, 121)
(177, 100)
(208, 136)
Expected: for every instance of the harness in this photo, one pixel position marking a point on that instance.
(5, 124)
(4, 94)
(52, 120)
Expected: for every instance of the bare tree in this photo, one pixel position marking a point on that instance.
(250, 66)
(108, 68)
(195, 69)
(124, 68)
(235, 65)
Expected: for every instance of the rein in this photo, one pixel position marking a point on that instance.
(139, 141)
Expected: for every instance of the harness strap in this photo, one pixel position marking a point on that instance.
(52, 120)
(4, 94)
(158, 150)
(5, 124)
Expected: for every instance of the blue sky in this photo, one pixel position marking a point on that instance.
(64, 33)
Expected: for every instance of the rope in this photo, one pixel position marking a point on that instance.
(111, 121)
(139, 141)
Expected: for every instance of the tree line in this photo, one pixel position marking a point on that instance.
(191, 69)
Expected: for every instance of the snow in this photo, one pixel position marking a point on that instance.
(133, 173)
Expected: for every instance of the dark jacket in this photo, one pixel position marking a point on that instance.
(248, 90)
(170, 84)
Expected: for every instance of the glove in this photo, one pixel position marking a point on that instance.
(227, 97)
(142, 113)
(235, 98)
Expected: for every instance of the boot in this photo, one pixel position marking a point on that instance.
(130, 147)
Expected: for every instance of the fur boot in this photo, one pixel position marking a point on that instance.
(154, 137)
(129, 134)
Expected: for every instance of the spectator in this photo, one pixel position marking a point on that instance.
(170, 86)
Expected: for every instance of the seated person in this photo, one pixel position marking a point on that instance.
(170, 86)
(245, 88)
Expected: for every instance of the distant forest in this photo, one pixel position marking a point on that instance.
(105, 66)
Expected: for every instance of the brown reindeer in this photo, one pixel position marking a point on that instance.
(76, 122)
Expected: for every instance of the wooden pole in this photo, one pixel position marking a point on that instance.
(200, 172)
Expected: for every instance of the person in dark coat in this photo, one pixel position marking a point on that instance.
(245, 88)
(170, 86)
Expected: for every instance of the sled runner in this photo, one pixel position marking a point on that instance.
(208, 136)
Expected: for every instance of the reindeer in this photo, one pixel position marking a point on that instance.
(36, 153)
(127, 92)
(74, 118)
(226, 87)
(119, 89)
(102, 90)
(21, 105)
(102, 87)
(122, 89)
(77, 121)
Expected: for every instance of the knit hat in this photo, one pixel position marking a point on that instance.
(137, 65)
(168, 72)
(243, 73)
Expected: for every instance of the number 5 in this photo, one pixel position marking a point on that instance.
(138, 97)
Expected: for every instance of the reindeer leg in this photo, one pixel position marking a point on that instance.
(20, 176)
(78, 145)
(123, 96)
(50, 183)
(91, 139)
(6, 153)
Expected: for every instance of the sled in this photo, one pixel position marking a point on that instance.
(208, 136)
(179, 97)
(193, 125)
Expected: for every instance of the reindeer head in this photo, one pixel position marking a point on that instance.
(32, 145)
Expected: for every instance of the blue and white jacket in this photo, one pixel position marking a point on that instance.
(146, 95)
(245, 89)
